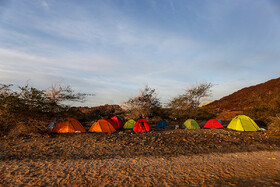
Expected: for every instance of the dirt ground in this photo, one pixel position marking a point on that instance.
(169, 157)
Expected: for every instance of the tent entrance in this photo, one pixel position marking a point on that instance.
(143, 126)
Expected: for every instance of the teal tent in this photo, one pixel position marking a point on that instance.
(162, 123)
(220, 121)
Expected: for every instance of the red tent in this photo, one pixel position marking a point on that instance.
(142, 125)
(118, 122)
(112, 122)
(213, 124)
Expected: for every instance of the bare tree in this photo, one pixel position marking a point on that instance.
(190, 101)
(54, 91)
(143, 105)
(58, 93)
(197, 93)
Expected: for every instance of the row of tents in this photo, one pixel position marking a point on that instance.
(239, 123)
(110, 125)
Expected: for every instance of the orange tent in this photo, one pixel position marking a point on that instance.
(102, 126)
(68, 125)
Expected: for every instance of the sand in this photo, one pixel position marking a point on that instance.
(160, 158)
(253, 168)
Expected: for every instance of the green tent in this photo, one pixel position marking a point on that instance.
(190, 124)
(243, 123)
(129, 124)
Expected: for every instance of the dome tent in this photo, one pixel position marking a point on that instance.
(52, 125)
(162, 123)
(112, 122)
(213, 124)
(129, 124)
(118, 122)
(190, 124)
(102, 126)
(68, 125)
(142, 125)
(243, 123)
(220, 121)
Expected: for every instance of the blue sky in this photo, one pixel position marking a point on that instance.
(114, 47)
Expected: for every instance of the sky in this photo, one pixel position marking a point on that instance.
(113, 48)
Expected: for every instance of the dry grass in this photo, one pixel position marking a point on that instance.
(274, 126)
(26, 128)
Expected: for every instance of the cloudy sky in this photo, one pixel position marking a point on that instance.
(114, 47)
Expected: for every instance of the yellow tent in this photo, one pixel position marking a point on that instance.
(129, 124)
(243, 123)
(190, 124)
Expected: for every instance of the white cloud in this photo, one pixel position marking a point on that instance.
(105, 50)
(111, 82)
(45, 4)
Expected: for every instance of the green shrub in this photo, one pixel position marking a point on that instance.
(204, 114)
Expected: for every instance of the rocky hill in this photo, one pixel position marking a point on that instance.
(262, 94)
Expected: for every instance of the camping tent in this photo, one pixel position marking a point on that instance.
(220, 121)
(190, 124)
(52, 125)
(112, 122)
(243, 123)
(142, 125)
(68, 125)
(213, 124)
(129, 124)
(118, 122)
(162, 123)
(102, 126)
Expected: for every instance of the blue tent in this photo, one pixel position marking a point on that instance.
(220, 121)
(52, 125)
(162, 123)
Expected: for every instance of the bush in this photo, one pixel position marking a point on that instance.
(145, 105)
(187, 105)
(264, 111)
(31, 106)
(274, 125)
(204, 114)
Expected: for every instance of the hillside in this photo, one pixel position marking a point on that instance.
(98, 112)
(267, 93)
(88, 110)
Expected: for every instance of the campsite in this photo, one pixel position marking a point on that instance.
(107, 146)
(128, 158)
(139, 93)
